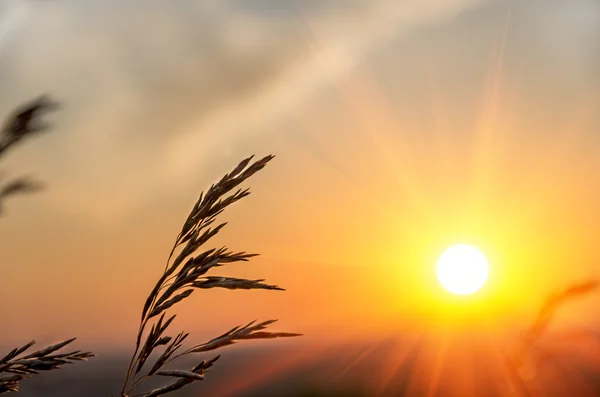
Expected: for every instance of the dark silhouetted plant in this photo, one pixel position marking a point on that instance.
(186, 271)
(16, 365)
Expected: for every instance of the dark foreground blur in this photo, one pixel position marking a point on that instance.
(390, 367)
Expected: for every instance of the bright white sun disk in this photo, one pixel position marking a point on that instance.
(462, 269)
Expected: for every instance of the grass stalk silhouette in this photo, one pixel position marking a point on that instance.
(539, 326)
(17, 367)
(186, 271)
(24, 122)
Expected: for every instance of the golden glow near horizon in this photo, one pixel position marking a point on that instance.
(462, 269)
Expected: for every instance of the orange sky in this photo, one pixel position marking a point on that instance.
(475, 124)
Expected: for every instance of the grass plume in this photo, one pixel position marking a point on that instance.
(22, 123)
(16, 365)
(26, 121)
(186, 271)
(536, 331)
(548, 310)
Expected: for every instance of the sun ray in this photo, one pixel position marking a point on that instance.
(358, 358)
(488, 135)
(389, 365)
(441, 355)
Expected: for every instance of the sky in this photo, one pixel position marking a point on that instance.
(399, 129)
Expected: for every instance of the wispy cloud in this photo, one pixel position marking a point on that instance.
(340, 41)
(155, 86)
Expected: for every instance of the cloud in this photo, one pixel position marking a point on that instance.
(152, 88)
(342, 39)
(12, 13)
(566, 37)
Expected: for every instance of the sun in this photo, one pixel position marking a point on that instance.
(462, 269)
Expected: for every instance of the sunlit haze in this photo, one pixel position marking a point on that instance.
(401, 130)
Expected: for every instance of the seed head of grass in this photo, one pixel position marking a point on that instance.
(524, 352)
(185, 272)
(25, 121)
(16, 365)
